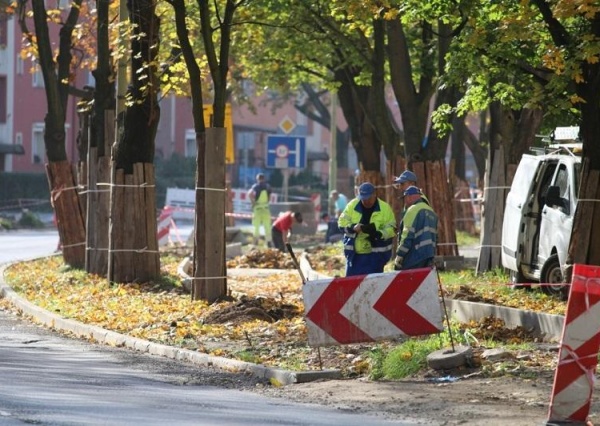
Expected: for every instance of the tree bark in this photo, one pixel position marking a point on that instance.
(102, 136)
(584, 247)
(134, 247)
(209, 256)
(63, 185)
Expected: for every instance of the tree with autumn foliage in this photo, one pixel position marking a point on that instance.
(213, 23)
(357, 49)
(573, 56)
(134, 226)
(533, 66)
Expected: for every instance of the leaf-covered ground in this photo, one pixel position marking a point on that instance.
(261, 321)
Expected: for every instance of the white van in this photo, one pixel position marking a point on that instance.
(539, 211)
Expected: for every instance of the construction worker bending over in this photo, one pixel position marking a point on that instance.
(369, 227)
(282, 228)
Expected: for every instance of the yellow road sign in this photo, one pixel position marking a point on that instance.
(229, 145)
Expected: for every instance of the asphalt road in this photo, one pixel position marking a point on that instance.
(26, 244)
(52, 380)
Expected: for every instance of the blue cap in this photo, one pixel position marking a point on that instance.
(412, 190)
(366, 190)
(406, 176)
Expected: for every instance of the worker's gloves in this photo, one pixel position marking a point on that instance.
(398, 263)
(368, 229)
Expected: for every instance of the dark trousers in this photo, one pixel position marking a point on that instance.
(363, 264)
(277, 237)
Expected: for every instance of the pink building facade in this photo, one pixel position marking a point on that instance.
(23, 108)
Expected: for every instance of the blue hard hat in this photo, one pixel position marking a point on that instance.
(406, 176)
(366, 190)
(412, 190)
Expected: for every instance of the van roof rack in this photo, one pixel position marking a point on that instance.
(573, 149)
(562, 140)
(566, 135)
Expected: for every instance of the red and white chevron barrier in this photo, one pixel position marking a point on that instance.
(373, 307)
(578, 354)
(165, 221)
(315, 199)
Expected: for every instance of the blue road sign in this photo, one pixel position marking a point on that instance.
(286, 152)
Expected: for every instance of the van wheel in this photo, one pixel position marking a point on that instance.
(515, 280)
(552, 279)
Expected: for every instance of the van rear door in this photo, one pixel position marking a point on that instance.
(518, 204)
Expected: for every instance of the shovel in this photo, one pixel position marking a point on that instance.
(288, 246)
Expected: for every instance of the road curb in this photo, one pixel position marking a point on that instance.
(112, 338)
(547, 326)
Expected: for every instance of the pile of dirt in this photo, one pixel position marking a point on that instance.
(263, 259)
(322, 258)
(248, 309)
(491, 328)
(469, 295)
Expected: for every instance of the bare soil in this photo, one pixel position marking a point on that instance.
(473, 401)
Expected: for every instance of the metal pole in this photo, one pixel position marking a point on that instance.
(445, 309)
(332, 149)
(286, 183)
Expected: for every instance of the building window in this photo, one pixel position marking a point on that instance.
(19, 65)
(3, 98)
(19, 139)
(190, 143)
(38, 150)
(4, 31)
(38, 78)
(91, 80)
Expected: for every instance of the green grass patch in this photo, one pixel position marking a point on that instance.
(408, 358)
(377, 357)
(466, 239)
(247, 355)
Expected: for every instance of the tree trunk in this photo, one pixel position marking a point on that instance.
(102, 136)
(492, 211)
(437, 188)
(56, 73)
(98, 211)
(209, 258)
(69, 213)
(133, 254)
(474, 144)
(584, 247)
(457, 156)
